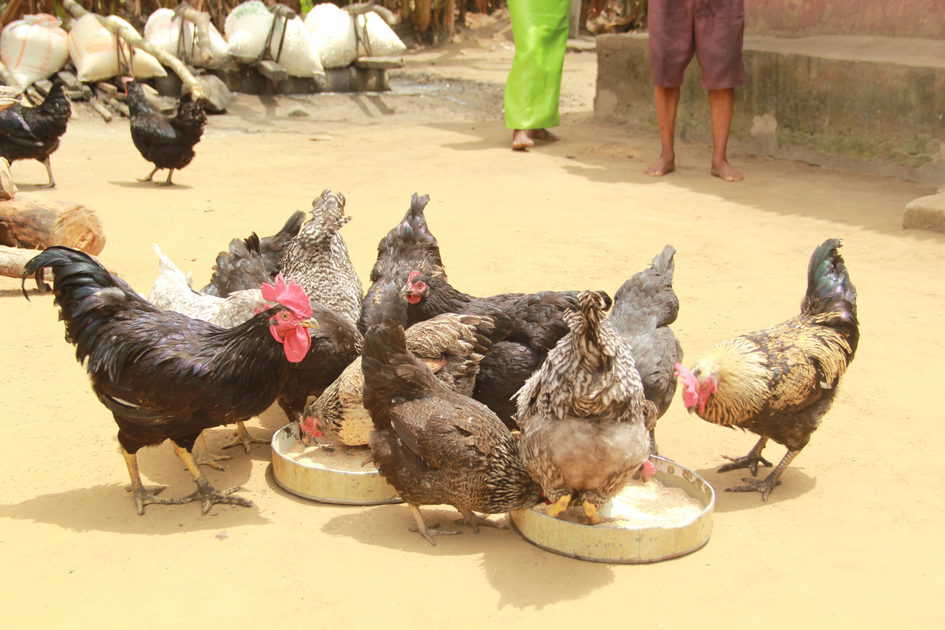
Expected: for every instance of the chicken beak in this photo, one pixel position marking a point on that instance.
(309, 323)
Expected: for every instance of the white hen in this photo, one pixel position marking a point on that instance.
(172, 291)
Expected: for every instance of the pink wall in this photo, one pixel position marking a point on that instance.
(902, 18)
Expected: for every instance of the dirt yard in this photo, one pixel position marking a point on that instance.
(851, 538)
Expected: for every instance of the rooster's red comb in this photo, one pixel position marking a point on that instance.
(289, 295)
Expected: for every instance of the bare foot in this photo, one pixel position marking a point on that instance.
(542, 135)
(663, 166)
(521, 140)
(727, 172)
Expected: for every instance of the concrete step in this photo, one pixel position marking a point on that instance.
(867, 103)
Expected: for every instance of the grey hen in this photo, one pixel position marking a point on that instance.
(317, 258)
(644, 307)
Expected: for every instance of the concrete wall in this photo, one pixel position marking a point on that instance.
(901, 18)
(800, 103)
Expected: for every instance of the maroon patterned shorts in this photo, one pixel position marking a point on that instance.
(711, 29)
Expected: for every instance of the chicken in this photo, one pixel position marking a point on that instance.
(526, 325)
(583, 414)
(251, 261)
(407, 246)
(644, 307)
(435, 445)
(167, 142)
(317, 258)
(779, 382)
(164, 375)
(171, 291)
(450, 345)
(32, 133)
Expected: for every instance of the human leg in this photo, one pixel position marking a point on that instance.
(721, 108)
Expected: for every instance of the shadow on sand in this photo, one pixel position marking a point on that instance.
(510, 564)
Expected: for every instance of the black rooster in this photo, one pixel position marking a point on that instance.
(164, 375)
(32, 133)
(165, 142)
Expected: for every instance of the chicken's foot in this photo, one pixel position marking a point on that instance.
(473, 520)
(52, 180)
(168, 182)
(766, 485)
(749, 461)
(206, 458)
(142, 496)
(559, 506)
(205, 493)
(428, 532)
(593, 516)
(243, 437)
(148, 178)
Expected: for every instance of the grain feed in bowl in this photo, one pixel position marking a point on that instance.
(667, 517)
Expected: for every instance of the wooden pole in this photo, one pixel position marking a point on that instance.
(133, 39)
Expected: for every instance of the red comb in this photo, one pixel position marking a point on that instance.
(288, 295)
(412, 275)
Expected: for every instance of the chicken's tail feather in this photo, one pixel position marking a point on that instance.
(291, 227)
(829, 288)
(663, 262)
(86, 293)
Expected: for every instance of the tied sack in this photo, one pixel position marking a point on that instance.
(94, 52)
(165, 32)
(376, 38)
(332, 32)
(248, 26)
(34, 48)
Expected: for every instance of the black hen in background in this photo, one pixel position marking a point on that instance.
(252, 260)
(164, 375)
(165, 142)
(644, 307)
(32, 133)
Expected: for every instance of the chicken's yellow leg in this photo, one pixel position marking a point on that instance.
(206, 458)
(592, 515)
(243, 437)
(559, 506)
(427, 532)
(143, 496)
(205, 493)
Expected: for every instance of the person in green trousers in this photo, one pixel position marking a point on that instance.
(540, 28)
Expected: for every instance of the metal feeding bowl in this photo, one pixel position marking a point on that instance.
(326, 475)
(651, 535)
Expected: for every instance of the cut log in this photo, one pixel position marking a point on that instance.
(13, 259)
(37, 223)
(99, 107)
(272, 71)
(69, 80)
(7, 187)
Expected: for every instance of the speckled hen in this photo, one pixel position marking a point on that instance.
(583, 414)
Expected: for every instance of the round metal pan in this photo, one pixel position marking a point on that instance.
(308, 478)
(626, 545)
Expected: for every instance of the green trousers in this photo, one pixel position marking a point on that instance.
(540, 28)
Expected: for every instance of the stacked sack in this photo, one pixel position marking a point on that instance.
(248, 26)
(34, 48)
(167, 32)
(94, 51)
(341, 39)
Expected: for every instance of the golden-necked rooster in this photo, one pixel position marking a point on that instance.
(779, 382)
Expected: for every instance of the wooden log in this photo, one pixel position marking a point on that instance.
(103, 111)
(379, 63)
(13, 259)
(272, 71)
(38, 223)
(69, 80)
(7, 187)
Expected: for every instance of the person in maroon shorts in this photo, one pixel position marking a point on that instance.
(712, 30)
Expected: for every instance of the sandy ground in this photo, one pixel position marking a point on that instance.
(851, 538)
